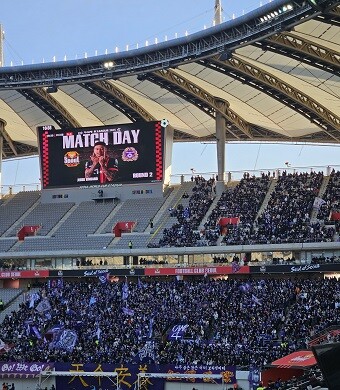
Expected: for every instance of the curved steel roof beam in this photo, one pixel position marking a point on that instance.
(120, 100)
(331, 15)
(142, 108)
(8, 141)
(50, 106)
(304, 49)
(267, 81)
(201, 98)
(238, 32)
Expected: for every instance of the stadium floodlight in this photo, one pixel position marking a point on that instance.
(275, 14)
(108, 65)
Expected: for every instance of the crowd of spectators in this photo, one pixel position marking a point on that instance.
(310, 379)
(185, 231)
(331, 196)
(322, 259)
(145, 261)
(224, 322)
(242, 202)
(285, 219)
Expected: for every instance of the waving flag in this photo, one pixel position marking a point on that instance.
(66, 340)
(256, 300)
(125, 291)
(103, 278)
(43, 306)
(177, 332)
(318, 202)
(128, 311)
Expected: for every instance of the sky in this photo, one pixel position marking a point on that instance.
(46, 30)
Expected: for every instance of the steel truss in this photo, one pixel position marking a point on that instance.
(226, 36)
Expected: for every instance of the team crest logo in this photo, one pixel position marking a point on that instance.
(71, 159)
(130, 154)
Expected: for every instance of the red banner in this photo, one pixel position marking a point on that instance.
(335, 216)
(24, 274)
(228, 221)
(226, 270)
(124, 227)
(296, 359)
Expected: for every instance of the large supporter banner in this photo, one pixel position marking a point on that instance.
(101, 156)
(23, 370)
(128, 375)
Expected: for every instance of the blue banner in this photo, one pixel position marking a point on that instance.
(177, 331)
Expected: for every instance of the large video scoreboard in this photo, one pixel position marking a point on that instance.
(101, 156)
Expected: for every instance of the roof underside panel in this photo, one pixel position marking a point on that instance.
(280, 117)
(21, 117)
(184, 116)
(103, 111)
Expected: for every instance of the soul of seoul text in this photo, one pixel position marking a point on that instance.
(116, 137)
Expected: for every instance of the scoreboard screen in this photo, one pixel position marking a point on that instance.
(101, 156)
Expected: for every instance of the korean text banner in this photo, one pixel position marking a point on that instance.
(101, 156)
(127, 375)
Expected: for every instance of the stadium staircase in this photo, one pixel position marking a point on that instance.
(163, 219)
(51, 232)
(12, 299)
(140, 211)
(18, 224)
(16, 208)
(323, 187)
(6, 243)
(139, 239)
(6, 198)
(211, 208)
(65, 217)
(264, 204)
(100, 230)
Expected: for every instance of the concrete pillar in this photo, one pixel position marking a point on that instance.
(220, 145)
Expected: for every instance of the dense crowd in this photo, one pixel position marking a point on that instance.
(242, 201)
(331, 196)
(185, 231)
(285, 218)
(249, 322)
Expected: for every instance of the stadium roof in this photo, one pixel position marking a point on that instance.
(273, 74)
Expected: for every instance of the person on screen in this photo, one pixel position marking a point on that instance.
(101, 165)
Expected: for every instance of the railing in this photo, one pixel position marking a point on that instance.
(9, 189)
(238, 175)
